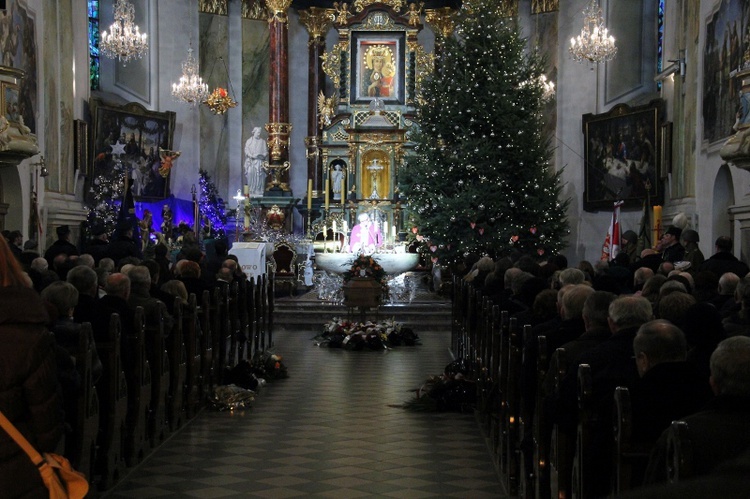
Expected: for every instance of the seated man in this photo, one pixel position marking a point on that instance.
(720, 431)
(365, 237)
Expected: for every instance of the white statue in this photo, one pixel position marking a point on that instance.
(337, 175)
(256, 153)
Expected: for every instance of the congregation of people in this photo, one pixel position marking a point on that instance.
(669, 325)
(44, 302)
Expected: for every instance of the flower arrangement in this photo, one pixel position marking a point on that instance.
(219, 101)
(367, 266)
(341, 333)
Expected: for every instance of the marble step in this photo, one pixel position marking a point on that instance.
(417, 315)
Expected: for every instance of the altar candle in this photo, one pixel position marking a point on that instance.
(657, 224)
(325, 192)
(247, 215)
(343, 191)
(334, 238)
(246, 190)
(393, 234)
(385, 231)
(309, 194)
(325, 239)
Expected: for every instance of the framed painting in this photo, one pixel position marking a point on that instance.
(129, 138)
(10, 102)
(378, 67)
(622, 157)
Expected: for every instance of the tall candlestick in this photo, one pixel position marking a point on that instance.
(343, 191)
(325, 192)
(309, 194)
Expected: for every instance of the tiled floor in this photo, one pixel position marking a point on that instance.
(327, 431)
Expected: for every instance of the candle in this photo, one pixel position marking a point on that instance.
(657, 224)
(334, 238)
(247, 190)
(325, 192)
(325, 239)
(393, 233)
(309, 194)
(343, 191)
(385, 231)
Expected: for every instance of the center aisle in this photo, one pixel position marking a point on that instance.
(327, 431)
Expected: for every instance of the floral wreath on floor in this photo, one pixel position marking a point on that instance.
(340, 333)
(367, 266)
(452, 391)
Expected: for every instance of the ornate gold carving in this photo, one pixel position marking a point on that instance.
(542, 6)
(326, 109)
(442, 20)
(332, 61)
(341, 13)
(312, 147)
(397, 5)
(218, 7)
(317, 21)
(508, 8)
(276, 170)
(278, 138)
(425, 65)
(254, 9)
(380, 21)
(275, 217)
(278, 9)
(415, 10)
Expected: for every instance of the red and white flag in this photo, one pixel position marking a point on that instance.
(611, 246)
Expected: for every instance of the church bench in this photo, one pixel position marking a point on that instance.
(192, 355)
(177, 370)
(138, 373)
(158, 359)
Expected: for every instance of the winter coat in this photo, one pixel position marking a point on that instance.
(29, 392)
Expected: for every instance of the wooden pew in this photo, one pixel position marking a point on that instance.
(138, 373)
(80, 445)
(158, 359)
(253, 330)
(509, 329)
(541, 439)
(560, 462)
(264, 310)
(206, 346)
(113, 408)
(192, 355)
(631, 457)
(268, 301)
(499, 322)
(244, 321)
(177, 370)
(234, 324)
(679, 452)
(513, 410)
(583, 438)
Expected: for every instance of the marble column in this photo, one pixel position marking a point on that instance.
(317, 21)
(278, 126)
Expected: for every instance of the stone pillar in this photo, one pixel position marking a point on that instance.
(317, 21)
(442, 23)
(278, 126)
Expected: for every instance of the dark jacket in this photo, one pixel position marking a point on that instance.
(58, 248)
(674, 253)
(723, 262)
(122, 247)
(29, 393)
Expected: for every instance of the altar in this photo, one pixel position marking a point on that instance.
(393, 263)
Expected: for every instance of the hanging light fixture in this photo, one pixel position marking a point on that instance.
(594, 44)
(220, 101)
(124, 41)
(190, 88)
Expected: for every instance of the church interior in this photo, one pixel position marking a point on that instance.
(285, 129)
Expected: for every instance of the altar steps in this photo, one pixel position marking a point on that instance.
(422, 316)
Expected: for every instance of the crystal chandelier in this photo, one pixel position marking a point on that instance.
(594, 44)
(124, 40)
(190, 88)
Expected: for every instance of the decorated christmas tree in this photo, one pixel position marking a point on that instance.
(105, 197)
(481, 179)
(211, 208)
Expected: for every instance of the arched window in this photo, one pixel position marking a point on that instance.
(94, 43)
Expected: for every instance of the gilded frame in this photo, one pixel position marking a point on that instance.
(115, 128)
(366, 82)
(623, 156)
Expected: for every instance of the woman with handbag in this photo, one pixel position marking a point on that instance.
(29, 394)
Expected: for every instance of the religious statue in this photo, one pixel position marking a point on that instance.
(365, 237)
(166, 224)
(337, 176)
(256, 153)
(167, 159)
(146, 228)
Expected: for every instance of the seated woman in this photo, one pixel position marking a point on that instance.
(365, 237)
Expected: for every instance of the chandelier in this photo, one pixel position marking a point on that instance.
(219, 101)
(594, 44)
(124, 40)
(190, 88)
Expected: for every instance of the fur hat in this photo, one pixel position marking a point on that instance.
(62, 230)
(674, 231)
(690, 236)
(629, 236)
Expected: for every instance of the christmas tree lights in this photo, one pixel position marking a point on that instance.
(481, 179)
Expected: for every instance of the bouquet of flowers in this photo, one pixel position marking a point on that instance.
(367, 266)
(340, 333)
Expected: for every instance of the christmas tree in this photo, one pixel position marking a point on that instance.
(481, 179)
(211, 208)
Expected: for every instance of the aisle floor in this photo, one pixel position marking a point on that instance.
(329, 430)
